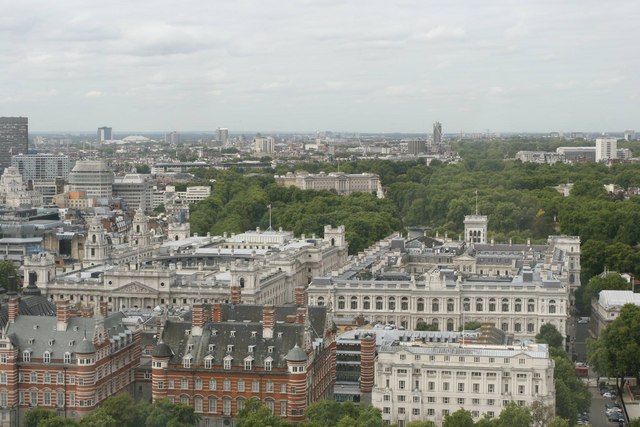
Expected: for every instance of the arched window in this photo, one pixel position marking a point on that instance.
(505, 305)
(392, 303)
(240, 403)
(321, 301)
(67, 357)
(341, 303)
(450, 305)
(242, 282)
(504, 326)
(517, 327)
(420, 304)
(531, 305)
(271, 405)
(492, 304)
(552, 306)
(479, 304)
(404, 303)
(466, 304)
(572, 279)
(366, 303)
(518, 305)
(354, 303)
(197, 404)
(93, 238)
(378, 303)
(26, 356)
(184, 399)
(449, 325)
(435, 305)
(226, 405)
(213, 404)
(530, 328)
(46, 357)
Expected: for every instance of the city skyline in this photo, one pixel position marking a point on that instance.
(310, 65)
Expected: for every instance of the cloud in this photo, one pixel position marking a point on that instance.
(93, 94)
(442, 32)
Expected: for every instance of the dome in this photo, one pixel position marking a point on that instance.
(296, 354)
(162, 350)
(85, 347)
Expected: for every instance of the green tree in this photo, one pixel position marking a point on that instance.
(635, 422)
(7, 269)
(559, 422)
(98, 419)
(611, 281)
(256, 414)
(541, 414)
(35, 416)
(421, 424)
(143, 169)
(165, 413)
(323, 412)
(514, 415)
(615, 352)
(549, 334)
(424, 326)
(460, 418)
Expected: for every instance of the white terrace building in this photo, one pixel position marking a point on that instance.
(428, 381)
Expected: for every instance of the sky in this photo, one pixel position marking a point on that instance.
(316, 65)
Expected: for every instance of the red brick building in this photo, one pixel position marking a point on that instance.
(69, 364)
(228, 353)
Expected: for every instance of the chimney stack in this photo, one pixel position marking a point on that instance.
(268, 321)
(300, 315)
(62, 315)
(367, 362)
(300, 297)
(199, 316)
(14, 305)
(104, 309)
(216, 316)
(87, 312)
(236, 295)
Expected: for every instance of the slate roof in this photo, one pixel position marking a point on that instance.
(38, 333)
(239, 336)
(33, 305)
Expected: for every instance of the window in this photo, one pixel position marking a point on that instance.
(475, 401)
(491, 388)
(416, 411)
(445, 386)
(354, 303)
(26, 356)
(518, 305)
(248, 363)
(241, 386)
(445, 400)
(3, 399)
(341, 303)
(3, 358)
(240, 403)
(255, 386)
(479, 304)
(226, 406)
(461, 401)
(60, 398)
(46, 357)
(59, 378)
(271, 405)
(466, 304)
(378, 303)
(460, 387)
(198, 384)
(404, 303)
(492, 304)
(392, 303)
(531, 306)
(184, 383)
(67, 357)
(505, 305)
(227, 362)
(213, 405)
(402, 384)
(208, 362)
(226, 384)
(197, 404)
(530, 327)
(34, 378)
(366, 303)
(283, 408)
(517, 327)
(420, 304)
(268, 363)
(521, 389)
(476, 388)
(269, 387)
(212, 385)
(552, 306)
(450, 305)
(435, 305)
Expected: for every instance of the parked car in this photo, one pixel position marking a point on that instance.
(583, 320)
(609, 394)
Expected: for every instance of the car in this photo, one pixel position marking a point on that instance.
(613, 411)
(583, 320)
(609, 394)
(612, 405)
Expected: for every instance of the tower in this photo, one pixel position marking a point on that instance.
(437, 133)
(104, 134)
(140, 235)
(96, 248)
(297, 366)
(14, 138)
(475, 228)
(335, 236)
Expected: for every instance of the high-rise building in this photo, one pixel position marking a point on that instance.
(223, 136)
(606, 149)
(14, 138)
(104, 134)
(437, 132)
(41, 166)
(172, 137)
(93, 177)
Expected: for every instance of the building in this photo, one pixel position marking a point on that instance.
(606, 308)
(629, 135)
(517, 288)
(416, 147)
(577, 154)
(222, 136)
(341, 183)
(14, 138)
(68, 365)
(136, 190)
(92, 177)
(227, 354)
(419, 380)
(437, 133)
(606, 149)
(104, 134)
(264, 144)
(539, 157)
(14, 193)
(172, 137)
(41, 167)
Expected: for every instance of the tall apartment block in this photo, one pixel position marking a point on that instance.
(104, 134)
(437, 133)
(14, 138)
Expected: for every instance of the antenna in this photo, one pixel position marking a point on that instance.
(476, 202)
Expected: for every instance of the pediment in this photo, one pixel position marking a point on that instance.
(136, 288)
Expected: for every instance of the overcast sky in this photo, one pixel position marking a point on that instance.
(309, 65)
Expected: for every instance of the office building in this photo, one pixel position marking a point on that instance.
(606, 149)
(230, 353)
(40, 167)
(342, 183)
(14, 138)
(136, 191)
(422, 380)
(416, 147)
(223, 136)
(92, 177)
(104, 134)
(172, 137)
(437, 133)
(264, 144)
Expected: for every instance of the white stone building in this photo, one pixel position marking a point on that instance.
(428, 380)
(339, 182)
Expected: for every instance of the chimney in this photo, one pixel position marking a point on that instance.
(198, 319)
(104, 309)
(300, 297)
(268, 321)
(236, 295)
(14, 304)
(300, 315)
(217, 313)
(87, 312)
(367, 362)
(62, 315)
